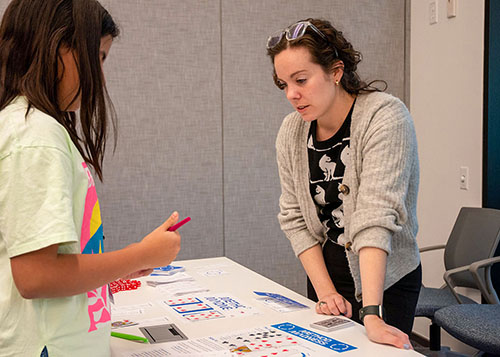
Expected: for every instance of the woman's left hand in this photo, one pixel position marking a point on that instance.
(380, 332)
(334, 304)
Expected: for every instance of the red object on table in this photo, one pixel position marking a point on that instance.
(123, 285)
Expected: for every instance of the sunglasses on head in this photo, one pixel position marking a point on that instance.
(295, 31)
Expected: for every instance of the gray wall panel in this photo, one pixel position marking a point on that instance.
(164, 76)
(254, 108)
(198, 116)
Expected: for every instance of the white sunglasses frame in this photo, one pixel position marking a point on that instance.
(289, 37)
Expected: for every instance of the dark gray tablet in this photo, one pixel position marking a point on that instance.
(163, 333)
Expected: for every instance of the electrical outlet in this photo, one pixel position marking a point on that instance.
(464, 178)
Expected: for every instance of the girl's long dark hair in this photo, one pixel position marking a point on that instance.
(31, 34)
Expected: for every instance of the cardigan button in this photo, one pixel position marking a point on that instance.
(348, 246)
(344, 189)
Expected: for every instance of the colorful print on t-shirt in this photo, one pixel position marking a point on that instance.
(91, 242)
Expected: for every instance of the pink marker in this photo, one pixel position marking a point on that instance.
(179, 224)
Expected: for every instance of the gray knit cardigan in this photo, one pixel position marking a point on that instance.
(382, 175)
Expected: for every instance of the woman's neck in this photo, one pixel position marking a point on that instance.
(328, 126)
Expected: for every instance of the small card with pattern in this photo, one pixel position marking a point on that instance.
(190, 308)
(203, 316)
(123, 323)
(182, 301)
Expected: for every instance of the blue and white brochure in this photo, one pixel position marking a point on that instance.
(279, 302)
(314, 337)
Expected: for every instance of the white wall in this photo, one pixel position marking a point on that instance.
(446, 101)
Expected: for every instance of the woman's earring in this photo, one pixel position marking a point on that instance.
(336, 82)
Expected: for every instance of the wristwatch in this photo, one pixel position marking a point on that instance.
(372, 310)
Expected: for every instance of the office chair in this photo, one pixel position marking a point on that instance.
(476, 325)
(474, 237)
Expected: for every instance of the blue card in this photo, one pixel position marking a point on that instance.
(167, 270)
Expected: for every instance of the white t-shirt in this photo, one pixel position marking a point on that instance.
(47, 196)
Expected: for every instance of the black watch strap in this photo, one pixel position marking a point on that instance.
(372, 310)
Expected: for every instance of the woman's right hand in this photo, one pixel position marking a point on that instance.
(380, 332)
(160, 247)
(334, 304)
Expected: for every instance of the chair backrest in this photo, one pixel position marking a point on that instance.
(474, 237)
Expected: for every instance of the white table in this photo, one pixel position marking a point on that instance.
(240, 283)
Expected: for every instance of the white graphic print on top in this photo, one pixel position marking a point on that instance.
(344, 155)
(338, 216)
(320, 197)
(328, 167)
(327, 162)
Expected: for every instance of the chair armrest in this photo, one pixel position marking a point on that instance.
(484, 283)
(447, 279)
(432, 247)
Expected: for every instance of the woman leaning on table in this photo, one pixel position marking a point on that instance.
(348, 165)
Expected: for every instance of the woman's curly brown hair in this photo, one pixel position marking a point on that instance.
(328, 54)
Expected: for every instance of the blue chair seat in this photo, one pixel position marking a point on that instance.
(476, 325)
(432, 299)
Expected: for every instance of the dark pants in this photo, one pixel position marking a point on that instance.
(44, 352)
(400, 299)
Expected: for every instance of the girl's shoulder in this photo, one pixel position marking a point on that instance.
(22, 128)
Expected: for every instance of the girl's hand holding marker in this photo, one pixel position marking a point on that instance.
(160, 247)
(179, 225)
(163, 240)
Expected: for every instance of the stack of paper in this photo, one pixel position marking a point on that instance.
(156, 280)
(177, 284)
(183, 287)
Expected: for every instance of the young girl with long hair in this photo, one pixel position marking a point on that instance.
(54, 112)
